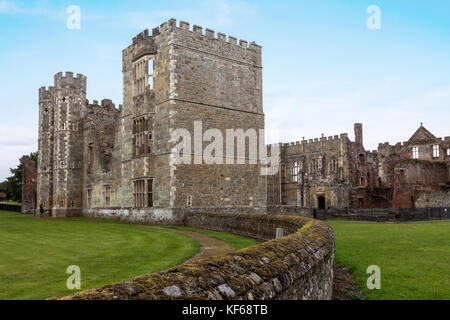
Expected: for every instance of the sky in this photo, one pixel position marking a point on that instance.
(324, 69)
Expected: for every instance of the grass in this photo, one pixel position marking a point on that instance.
(35, 253)
(11, 202)
(237, 242)
(414, 258)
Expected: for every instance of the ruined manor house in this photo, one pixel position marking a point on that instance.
(99, 160)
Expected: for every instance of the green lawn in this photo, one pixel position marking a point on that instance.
(34, 253)
(237, 242)
(414, 258)
(10, 202)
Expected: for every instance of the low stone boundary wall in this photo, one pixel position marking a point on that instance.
(291, 210)
(386, 215)
(10, 207)
(296, 266)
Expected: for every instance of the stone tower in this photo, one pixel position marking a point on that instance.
(173, 78)
(61, 109)
(96, 160)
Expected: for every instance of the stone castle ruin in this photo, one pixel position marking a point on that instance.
(335, 172)
(99, 160)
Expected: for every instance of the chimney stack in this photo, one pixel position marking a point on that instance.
(358, 134)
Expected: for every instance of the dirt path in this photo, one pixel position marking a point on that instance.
(344, 285)
(209, 246)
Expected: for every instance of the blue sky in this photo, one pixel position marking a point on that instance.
(323, 68)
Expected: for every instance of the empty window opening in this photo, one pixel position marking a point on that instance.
(142, 136)
(143, 75)
(294, 172)
(436, 151)
(362, 158)
(415, 153)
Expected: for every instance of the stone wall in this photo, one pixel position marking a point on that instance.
(291, 210)
(29, 185)
(433, 199)
(297, 266)
(386, 215)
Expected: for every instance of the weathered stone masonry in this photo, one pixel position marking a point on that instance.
(297, 266)
(102, 161)
(337, 173)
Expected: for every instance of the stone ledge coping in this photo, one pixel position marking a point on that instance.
(297, 266)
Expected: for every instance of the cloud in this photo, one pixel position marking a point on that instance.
(11, 8)
(15, 141)
(8, 7)
(18, 136)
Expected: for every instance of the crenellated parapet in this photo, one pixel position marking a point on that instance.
(69, 81)
(207, 33)
(317, 142)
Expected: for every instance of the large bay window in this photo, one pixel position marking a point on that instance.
(142, 136)
(143, 193)
(143, 75)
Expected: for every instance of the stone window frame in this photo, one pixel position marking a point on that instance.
(314, 166)
(107, 195)
(333, 165)
(435, 151)
(90, 155)
(142, 131)
(415, 152)
(143, 194)
(295, 169)
(448, 151)
(142, 77)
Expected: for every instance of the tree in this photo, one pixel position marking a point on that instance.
(13, 185)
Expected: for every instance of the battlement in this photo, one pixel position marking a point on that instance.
(105, 103)
(208, 33)
(44, 89)
(68, 81)
(313, 142)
